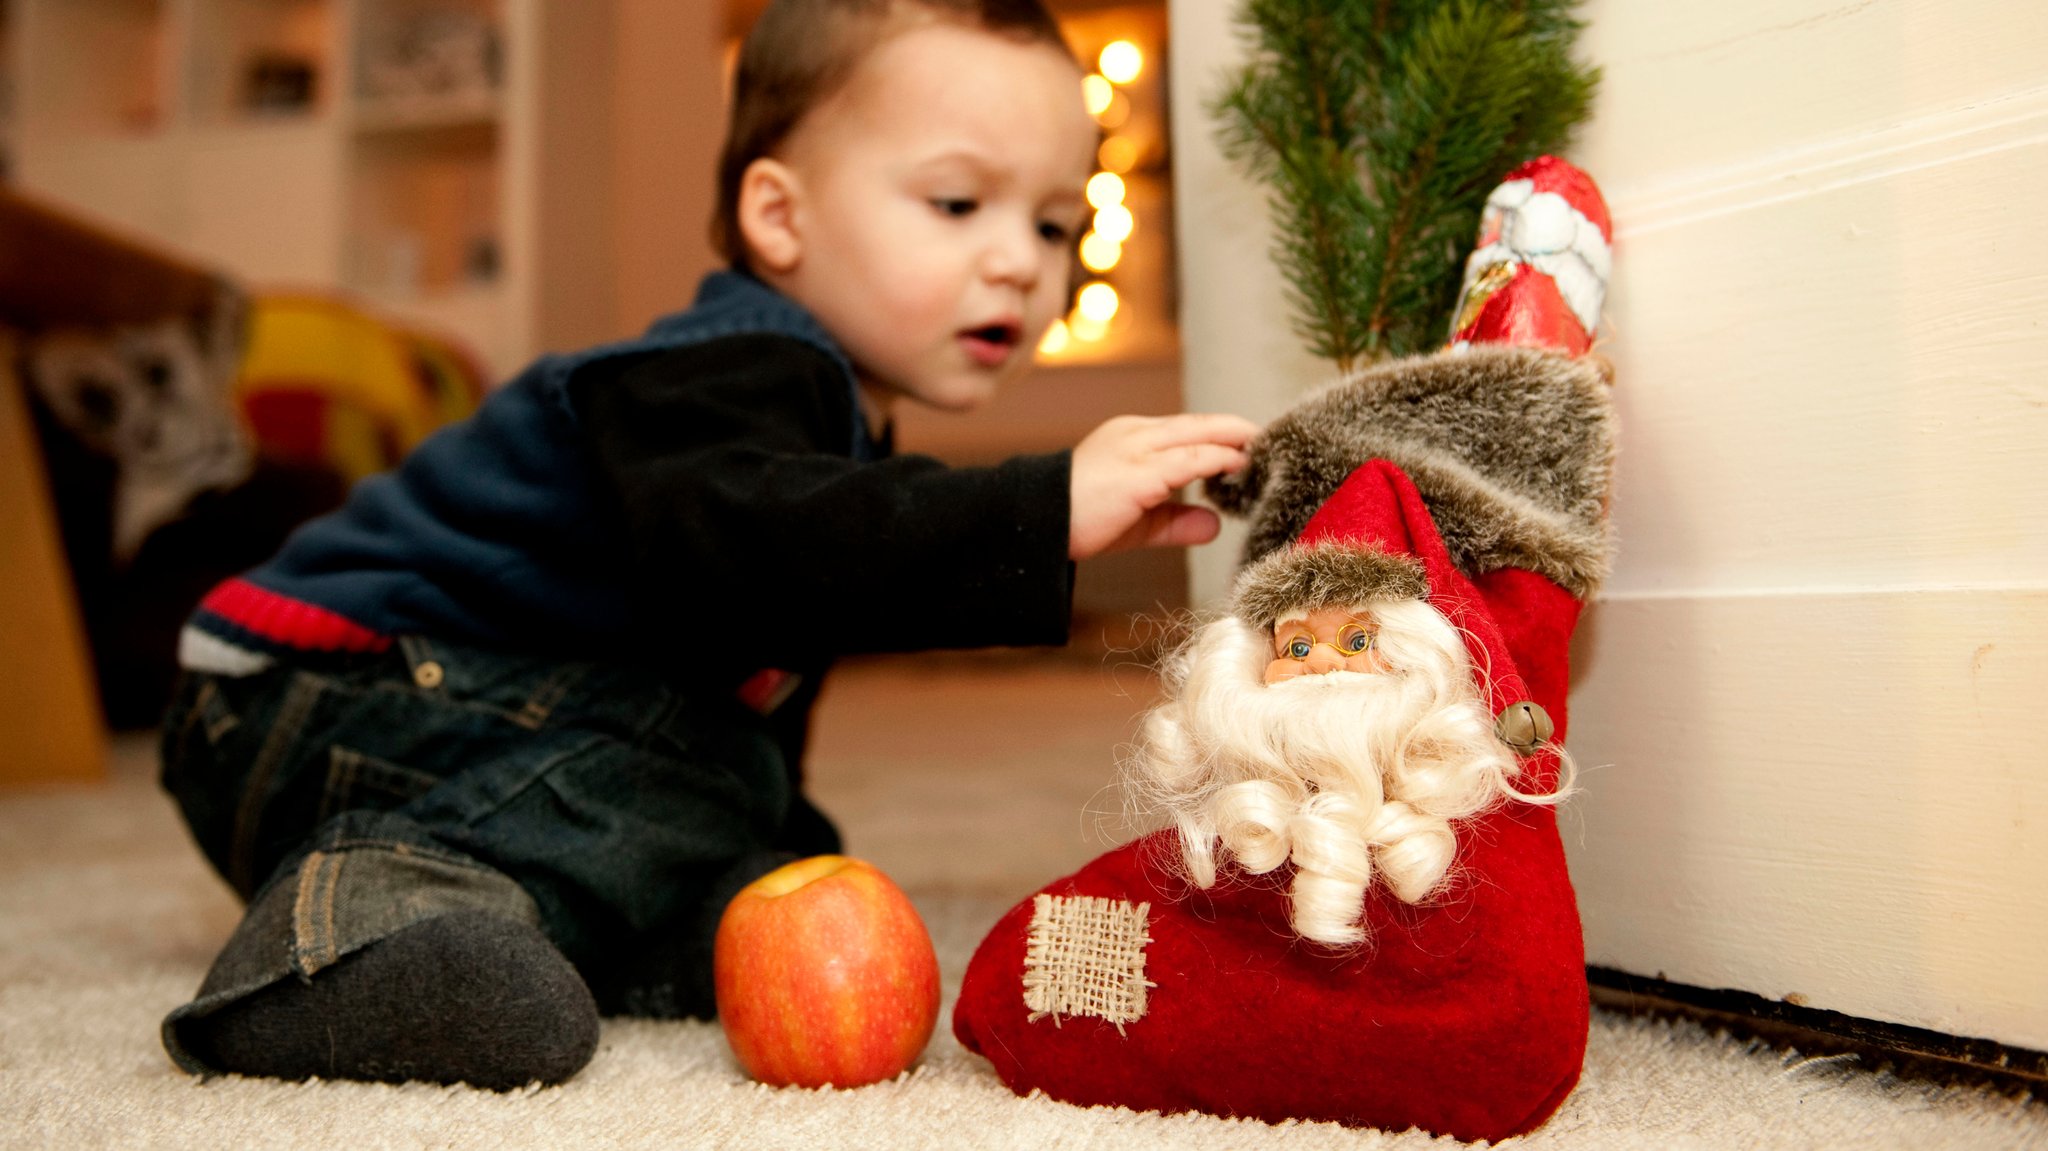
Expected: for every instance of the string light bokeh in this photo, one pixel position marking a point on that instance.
(1110, 94)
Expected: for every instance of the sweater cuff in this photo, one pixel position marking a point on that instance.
(1029, 581)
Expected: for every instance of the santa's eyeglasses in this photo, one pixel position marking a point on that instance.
(1354, 639)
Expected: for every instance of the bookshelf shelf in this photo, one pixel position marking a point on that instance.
(388, 148)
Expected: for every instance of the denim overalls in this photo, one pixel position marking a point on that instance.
(349, 796)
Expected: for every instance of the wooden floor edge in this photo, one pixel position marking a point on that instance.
(1908, 1051)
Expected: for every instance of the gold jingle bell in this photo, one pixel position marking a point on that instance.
(1524, 726)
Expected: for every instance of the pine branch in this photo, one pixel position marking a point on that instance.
(1288, 118)
(1379, 126)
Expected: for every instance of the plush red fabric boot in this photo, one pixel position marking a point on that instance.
(1360, 911)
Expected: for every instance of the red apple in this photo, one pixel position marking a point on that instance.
(825, 974)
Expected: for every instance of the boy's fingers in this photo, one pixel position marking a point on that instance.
(1169, 526)
(1203, 428)
(1180, 526)
(1186, 464)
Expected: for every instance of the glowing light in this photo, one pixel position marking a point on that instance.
(1105, 189)
(1055, 340)
(1100, 253)
(1086, 330)
(1115, 223)
(1097, 94)
(1121, 62)
(1098, 302)
(1117, 154)
(1113, 114)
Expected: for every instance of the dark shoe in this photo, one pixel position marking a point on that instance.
(466, 997)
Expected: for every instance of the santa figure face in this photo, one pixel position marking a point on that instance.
(1342, 742)
(1322, 641)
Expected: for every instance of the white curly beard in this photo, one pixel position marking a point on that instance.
(1343, 775)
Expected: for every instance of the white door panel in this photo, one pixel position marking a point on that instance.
(1812, 691)
(1818, 794)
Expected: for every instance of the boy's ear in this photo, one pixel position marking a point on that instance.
(769, 191)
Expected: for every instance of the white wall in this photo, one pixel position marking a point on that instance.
(1238, 348)
(1812, 688)
(669, 106)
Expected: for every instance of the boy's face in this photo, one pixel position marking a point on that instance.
(931, 209)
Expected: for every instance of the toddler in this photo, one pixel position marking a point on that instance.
(488, 750)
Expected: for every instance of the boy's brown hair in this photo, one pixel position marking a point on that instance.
(800, 52)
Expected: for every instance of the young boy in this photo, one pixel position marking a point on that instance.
(488, 750)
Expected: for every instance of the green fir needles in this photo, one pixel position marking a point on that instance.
(1381, 125)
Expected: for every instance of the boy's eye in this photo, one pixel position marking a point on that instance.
(1299, 647)
(1054, 233)
(947, 207)
(1354, 639)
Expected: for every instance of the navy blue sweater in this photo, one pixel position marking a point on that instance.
(710, 483)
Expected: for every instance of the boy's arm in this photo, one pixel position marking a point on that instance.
(752, 528)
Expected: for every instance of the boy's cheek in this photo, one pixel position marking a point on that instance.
(1049, 300)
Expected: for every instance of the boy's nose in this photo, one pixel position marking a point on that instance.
(1012, 259)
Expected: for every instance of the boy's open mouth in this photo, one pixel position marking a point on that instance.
(991, 344)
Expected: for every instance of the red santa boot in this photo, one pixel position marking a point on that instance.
(1359, 910)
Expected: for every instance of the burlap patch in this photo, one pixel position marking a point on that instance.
(1086, 956)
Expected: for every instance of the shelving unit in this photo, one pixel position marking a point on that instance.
(384, 148)
(426, 132)
(252, 60)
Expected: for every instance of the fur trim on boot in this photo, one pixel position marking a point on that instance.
(1513, 448)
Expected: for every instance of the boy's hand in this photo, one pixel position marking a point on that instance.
(1126, 471)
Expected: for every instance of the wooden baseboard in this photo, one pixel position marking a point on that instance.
(1908, 1051)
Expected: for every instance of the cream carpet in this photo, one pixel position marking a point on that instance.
(971, 781)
